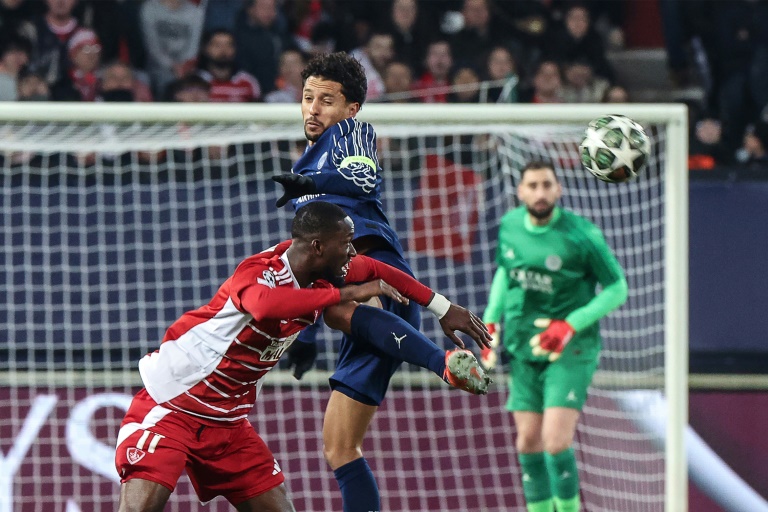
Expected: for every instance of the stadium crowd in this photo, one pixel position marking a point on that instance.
(436, 51)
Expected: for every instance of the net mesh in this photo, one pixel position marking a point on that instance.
(111, 230)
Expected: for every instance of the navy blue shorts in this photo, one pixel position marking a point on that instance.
(362, 371)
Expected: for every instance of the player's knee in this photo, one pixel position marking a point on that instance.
(556, 444)
(338, 454)
(528, 443)
(339, 317)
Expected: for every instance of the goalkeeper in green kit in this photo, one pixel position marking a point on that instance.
(550, 262)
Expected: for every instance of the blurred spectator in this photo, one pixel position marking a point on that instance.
(289, 81)
(374, 57)
(81, 81)
(216, 65)
(577, 40)
(438, 63)
(410, 32)
(119, 83)
(189, 89)
(323, 39)
(501, 70)
(261, 37)
(304, 16)
(221, 14)
(465, 86)
(398, 82)
(479, 34)
(754, 150)
(16, 17)
(740, 64)
(705, 147)
(14, 57)
(615, 94)
(116, 24)
(33, 87)
(171, 30)
(52, 31)
(547, 86)
(581, 85)
(531, 21)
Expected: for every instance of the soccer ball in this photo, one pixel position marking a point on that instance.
(615, 148)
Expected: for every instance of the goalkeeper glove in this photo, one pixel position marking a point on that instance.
(488, 356)
(301, 356)
(553, 339)
(294, 185)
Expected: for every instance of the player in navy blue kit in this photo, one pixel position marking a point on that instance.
(341, 166)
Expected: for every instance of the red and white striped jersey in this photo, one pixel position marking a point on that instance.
(241, 88)
(212, 359)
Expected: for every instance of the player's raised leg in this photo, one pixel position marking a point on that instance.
(400, 340)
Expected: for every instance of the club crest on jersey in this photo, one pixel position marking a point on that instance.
(321, 161)
(268, 279)
(134, 455)
(553, 262)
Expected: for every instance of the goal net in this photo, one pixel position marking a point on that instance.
(114, 220)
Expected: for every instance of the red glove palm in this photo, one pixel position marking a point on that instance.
(553, 339)
(488, 355)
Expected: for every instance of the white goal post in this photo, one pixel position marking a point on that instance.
(80, 128)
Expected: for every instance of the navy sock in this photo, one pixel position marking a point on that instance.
(359, 492)
(397, 338)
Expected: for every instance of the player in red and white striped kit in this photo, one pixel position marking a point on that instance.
(202, 382)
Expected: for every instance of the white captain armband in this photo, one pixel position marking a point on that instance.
(439, 305)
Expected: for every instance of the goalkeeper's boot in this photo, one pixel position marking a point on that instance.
(463, 371)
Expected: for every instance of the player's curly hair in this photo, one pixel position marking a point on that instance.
(342, 68)
(318, 218)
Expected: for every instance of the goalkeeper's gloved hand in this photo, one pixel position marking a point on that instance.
(554, 338)
(294, 185)
(301, 355)
(488, 356)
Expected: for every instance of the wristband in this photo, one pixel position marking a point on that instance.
(439, 305)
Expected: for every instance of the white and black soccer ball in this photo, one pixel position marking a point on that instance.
(615, 148)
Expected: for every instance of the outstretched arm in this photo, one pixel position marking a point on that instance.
(451, 316)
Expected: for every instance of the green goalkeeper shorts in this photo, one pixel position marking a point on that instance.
(537, 385)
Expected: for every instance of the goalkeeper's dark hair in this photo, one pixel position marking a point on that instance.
(342, 68)
(537, 165)
(318, 219)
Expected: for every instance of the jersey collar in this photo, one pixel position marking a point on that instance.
(532, 228)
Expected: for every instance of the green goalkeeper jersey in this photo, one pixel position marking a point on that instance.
(552, 272)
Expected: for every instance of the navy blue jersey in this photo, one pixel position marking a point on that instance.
(344, 165)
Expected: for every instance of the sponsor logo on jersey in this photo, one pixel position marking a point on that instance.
(571, 397)
(276, 468)
(276, 348)
(398, 340)
(553, 262)
(532, 280)
(134, 455)
(321, 161)
(509, 254)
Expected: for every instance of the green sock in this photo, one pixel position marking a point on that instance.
(571, 505)
(536, 488)
(565, 480)
(541, 506)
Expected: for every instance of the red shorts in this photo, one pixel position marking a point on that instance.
(156, 444)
